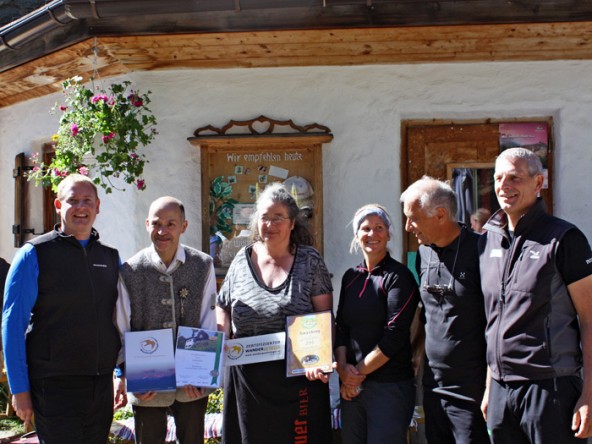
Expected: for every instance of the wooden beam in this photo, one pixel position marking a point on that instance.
(330, 47)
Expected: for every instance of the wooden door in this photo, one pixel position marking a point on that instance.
(430, 148)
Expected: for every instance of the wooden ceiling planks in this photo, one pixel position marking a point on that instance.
(360, 46)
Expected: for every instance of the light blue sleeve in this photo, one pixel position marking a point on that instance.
(20, 295)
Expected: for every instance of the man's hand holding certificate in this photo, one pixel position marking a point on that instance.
(153, 364)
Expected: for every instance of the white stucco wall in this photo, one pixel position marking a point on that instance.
(363, 106)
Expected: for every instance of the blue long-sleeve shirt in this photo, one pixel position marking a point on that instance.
(20, 296)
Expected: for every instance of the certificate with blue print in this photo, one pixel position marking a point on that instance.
(253, 349)
(150, 361)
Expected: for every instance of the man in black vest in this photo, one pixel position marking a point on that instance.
(60, 342)
(165, 286)
(536, 275)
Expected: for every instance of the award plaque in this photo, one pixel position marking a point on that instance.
(309, 343)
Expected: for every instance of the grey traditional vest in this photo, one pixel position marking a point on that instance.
(160, 300)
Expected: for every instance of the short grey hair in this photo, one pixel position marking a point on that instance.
(431, 194)
(533, 161)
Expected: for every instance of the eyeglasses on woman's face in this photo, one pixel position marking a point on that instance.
(272, 220)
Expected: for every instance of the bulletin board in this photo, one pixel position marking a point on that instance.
(240, 159)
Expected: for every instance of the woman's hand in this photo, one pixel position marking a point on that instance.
(314, 374)
(350, 376)
(349, 392)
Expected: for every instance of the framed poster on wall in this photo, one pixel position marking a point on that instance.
(531, 135)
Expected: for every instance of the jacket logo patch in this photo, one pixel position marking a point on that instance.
(100, 265)
(589, 261)
(535, 254)
(496, 252)
(462, 275)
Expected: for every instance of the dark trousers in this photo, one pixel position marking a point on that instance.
(538, 412)
(151, 422)
(380, 414)
(450, 420)
(73, 409)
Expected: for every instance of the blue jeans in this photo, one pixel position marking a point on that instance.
(380, 414)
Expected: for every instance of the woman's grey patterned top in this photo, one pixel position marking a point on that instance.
(257, 309)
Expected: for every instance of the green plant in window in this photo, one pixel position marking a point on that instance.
(221, 206)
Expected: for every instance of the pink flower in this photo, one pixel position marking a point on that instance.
(140, 184)
(59, 173)
(75, 130)
(134, 156)
(108, 137)
(36, 168)
(135, 100)
(63, 108)
(98, 98)
(83, 170)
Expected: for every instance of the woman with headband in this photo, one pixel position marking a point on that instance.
(376, 307)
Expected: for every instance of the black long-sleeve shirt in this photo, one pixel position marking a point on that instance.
(376, 308)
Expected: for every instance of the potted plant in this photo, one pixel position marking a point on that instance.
(101, 132)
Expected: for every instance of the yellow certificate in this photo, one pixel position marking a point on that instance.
(309, 343)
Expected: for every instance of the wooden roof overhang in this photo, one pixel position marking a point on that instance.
(240, 37)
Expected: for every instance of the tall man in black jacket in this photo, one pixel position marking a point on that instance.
(536, 273)
(60, 341)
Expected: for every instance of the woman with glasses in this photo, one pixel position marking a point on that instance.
(278, 275)
(376, 308)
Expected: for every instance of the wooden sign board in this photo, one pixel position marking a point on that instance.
(236, 168)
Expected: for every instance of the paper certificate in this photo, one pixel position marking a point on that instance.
(199, 357)
(309, 343)
(262, 348)
(149, 360)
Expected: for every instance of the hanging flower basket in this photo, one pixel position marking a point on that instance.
(101, 133)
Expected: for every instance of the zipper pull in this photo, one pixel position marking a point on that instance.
(364, 287)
